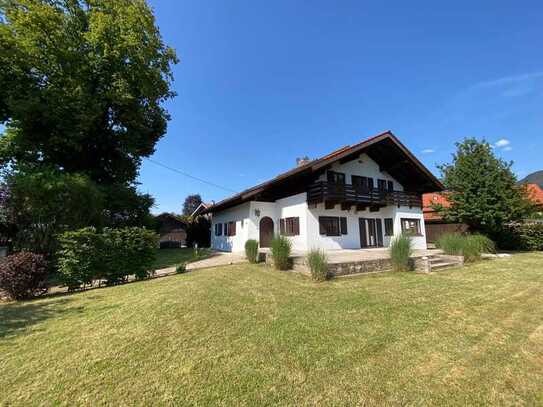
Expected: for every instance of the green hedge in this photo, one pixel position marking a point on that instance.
(529, 236)
(112, 255)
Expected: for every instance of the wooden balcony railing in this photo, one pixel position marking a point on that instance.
(323, 191)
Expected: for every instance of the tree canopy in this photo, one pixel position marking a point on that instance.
(482, 189)
(82, 85)
(191, 203)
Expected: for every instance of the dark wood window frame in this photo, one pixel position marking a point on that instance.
(218, 229)
(414, 230)
(289, 226)
(332, 225)
(389, 227)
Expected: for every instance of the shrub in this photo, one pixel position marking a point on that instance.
(527, 236)
(401, 249)
(80, 257)
(251, 250)
(181, 268)
(469, 246)
(281, 248)
(23, 275)
(113, 255)
(318, 264)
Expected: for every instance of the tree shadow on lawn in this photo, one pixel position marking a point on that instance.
(18, 316)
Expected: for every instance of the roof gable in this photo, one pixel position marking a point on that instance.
(385, 149)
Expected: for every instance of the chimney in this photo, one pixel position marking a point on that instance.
(302, 161)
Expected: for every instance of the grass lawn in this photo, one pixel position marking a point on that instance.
(173, 257)
(246, 335)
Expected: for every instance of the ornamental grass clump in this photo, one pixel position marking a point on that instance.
(251, 250)
(401, 249)
(475, 245)
(318, 264)
(451, 244)
(281, 248)
(469, 246)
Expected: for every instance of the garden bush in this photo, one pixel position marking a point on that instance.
(401, 249)
(86, 255)
(281, 248)
(80, 259)
(181, 268)
(527, 236)
(318, 264)
(23, 275)
(251, 251)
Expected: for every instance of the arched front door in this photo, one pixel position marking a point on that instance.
(266, 231)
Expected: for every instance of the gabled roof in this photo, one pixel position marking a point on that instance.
(385, 149)
(200, 208)
(536, 193)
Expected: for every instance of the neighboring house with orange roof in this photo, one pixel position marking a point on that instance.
(358, 196)
(436, 225)
(536, 195)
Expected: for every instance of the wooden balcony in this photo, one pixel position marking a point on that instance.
(347, 195)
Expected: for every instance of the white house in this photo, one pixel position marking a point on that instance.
(356, 197)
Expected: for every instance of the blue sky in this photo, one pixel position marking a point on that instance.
(262, 82)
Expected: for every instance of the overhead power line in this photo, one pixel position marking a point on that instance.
(190, 176)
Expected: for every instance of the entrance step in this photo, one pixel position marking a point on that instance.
(443, 261)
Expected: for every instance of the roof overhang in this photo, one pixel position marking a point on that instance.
(385, 149)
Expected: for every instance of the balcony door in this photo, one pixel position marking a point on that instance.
(371, 232)
(336, 181)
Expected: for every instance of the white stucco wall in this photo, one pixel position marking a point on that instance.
(238, 214)
(248, 216)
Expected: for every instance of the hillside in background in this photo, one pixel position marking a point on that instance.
(533, 178)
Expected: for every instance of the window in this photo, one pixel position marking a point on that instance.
(411, 226)
(332, 225)
(289, 226)
(218, 229)
(329, 225)
(389, 227)
(231, 228)
(336, 177)
(226, 229)
(390, 186)
(382, 184)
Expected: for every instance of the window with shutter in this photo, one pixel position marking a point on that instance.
(389, 227)
(231, 228)
(390, 185)
(290, 226)
(225, 229)
(382, 184)
(343, 225)
(329, 225)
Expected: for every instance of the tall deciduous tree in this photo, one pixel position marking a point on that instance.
(82, 85)
(482, 189)
(191, 203)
